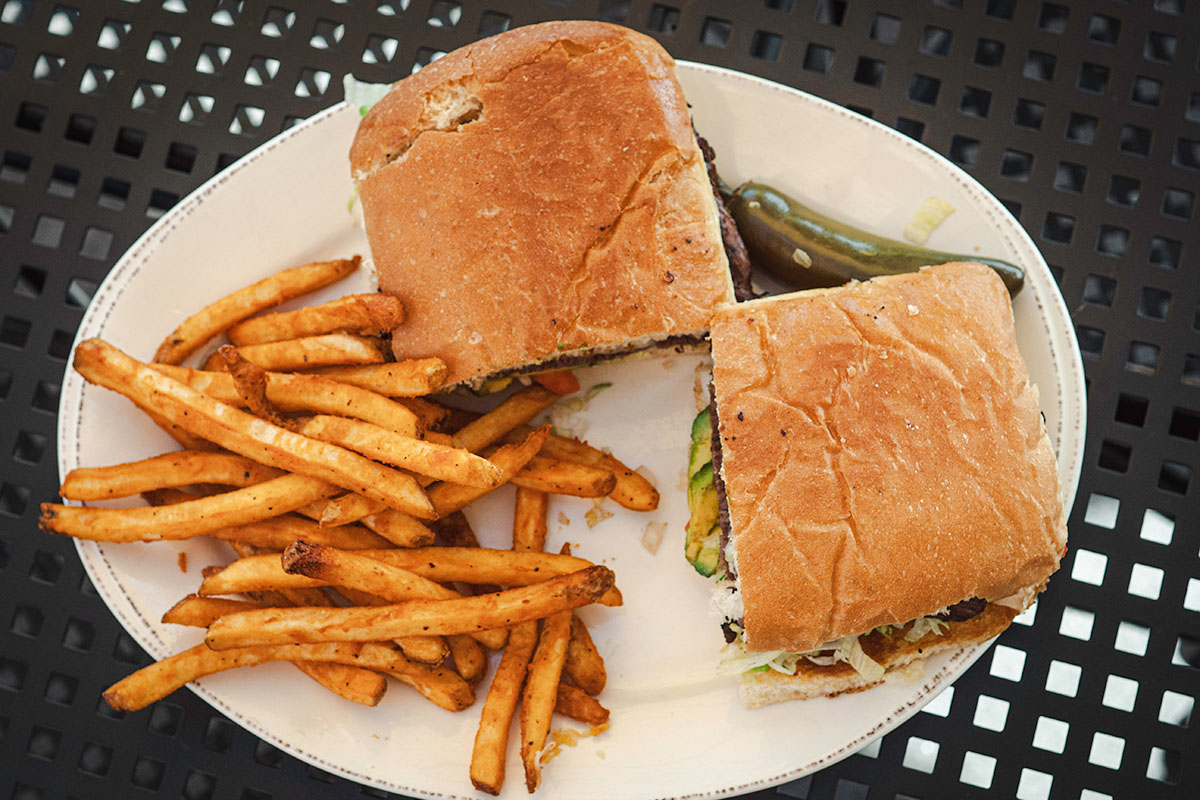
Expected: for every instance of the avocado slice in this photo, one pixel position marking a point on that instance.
(700, 450)
(493, 385)
(705, 519)
(706, 558)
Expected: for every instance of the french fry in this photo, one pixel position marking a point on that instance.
(575, 703)
(516, 409)
(187, 519)
(363, 574)
(439, 564)
(541, 693)
(469, 659)
(158, 680)
(438, 684)
(450, 497)
(267, 293)
(414, 617)
(200, 612)
(184, 439)
(632, 490)
(454, 530)
(105, 365)
(278, 532)
(565, 477)
(431, 414)
(351, 681)
(370, 314)
(437, 461)
(399, 528)
(412, 378)
(423, 649)
(168, 470)
(342, 510)
(310, 352)
(584, 664)
(250, 380)
(529, 520)
(300, 392)
(491, 741)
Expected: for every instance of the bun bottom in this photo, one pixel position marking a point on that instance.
(894, 653)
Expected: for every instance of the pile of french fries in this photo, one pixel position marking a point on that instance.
(339, 482)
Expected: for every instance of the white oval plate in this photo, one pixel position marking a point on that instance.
(673, 722)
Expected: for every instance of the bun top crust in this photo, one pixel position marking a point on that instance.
(884, 455)
(537, 194)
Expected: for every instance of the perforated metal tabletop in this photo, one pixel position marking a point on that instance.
(1084, 118)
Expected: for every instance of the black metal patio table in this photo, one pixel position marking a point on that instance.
(1082, 117)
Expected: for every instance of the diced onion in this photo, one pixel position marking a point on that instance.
(933, 212)
(653, 535)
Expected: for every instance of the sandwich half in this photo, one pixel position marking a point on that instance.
(881, 484)
(538, 200)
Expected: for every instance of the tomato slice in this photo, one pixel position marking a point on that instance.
(562, 381)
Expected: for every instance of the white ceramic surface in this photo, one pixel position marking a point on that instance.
(677, 731)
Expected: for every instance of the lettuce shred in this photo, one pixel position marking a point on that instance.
(926, 625)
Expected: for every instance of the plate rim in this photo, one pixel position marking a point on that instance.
(99, 570)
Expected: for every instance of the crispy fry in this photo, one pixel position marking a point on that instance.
(439, 564)
(632, 490)
(412, 378)
(414, 617)
(278, 532)
(529, 520)
(469, 659)
(250, 380)
(310, 352)
(437, 461)
(267, 293)
(345, 680)
(187, 519)
(200, 612)
(351, 682)
(439, 684)
(184, 439)
(517, 409)
(454, 530)
(361, 573)
(431, 414)
(450, 497)
(170, 469)
(298, 392)
(342, 510)
(491, 741)
(370, 314)
(103, 364)
(575, 703)
(399, 528)
(584, 664)
(565, 477)
(158, 680)
(541, 693)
